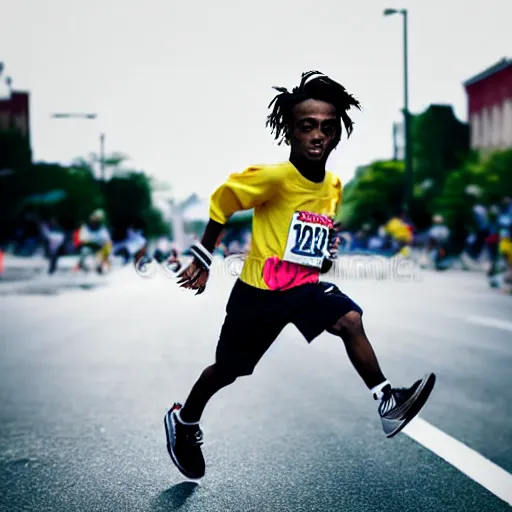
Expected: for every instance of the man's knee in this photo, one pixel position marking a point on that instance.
(221, 373)
(349, 324)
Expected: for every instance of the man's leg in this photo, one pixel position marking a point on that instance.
(397, 406)
(360, 352)
(53, 256)
(212, 380)
(184, 435)
(242, 343)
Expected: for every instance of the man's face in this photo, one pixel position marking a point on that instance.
(313, 130)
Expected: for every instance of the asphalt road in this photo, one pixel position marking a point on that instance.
(87, 375)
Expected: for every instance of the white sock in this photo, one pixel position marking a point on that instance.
(377, 390)
(178, 414)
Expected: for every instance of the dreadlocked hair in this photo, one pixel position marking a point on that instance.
(319, 88)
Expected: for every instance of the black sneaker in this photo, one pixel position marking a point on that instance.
(400, 406)
(184, 444)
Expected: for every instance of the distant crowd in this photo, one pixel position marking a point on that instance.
(488, 245)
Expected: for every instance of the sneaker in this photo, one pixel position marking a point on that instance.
(184, 444)
(400, 406)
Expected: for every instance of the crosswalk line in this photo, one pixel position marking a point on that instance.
(488, 321)
(468, 461)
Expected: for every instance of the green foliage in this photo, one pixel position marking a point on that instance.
(126, 196)
(374, 196)
(154, 223)
(440, 143)
(498, 171)
(83, 193)
(491, 175)
(15, 151)
(128, 202)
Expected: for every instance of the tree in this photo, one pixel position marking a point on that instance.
(82, 192)
(128, 202)
(497, 169)
(440, 144)
(75, 190)
(126, 196)
(15, 152)
(481, 179)
(15, 159)
(373, 196)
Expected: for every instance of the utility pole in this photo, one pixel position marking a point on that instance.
(395, 142)
(408, 178)
(102, 136)
(102, 157)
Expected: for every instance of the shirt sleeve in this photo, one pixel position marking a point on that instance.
(243, 191)
(339, 189)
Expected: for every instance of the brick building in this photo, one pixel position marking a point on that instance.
(15, 148)
(14, 113)
(490, 107)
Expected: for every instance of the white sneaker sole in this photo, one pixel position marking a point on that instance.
(418, 400)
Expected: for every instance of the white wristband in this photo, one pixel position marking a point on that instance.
(204, 256)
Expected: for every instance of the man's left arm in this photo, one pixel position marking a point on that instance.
(334, 238)
(326, 266)
(332, 248)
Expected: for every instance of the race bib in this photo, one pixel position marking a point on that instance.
(308, 239)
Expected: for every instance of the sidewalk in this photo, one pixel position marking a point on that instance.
(18, 268)
(29, 275)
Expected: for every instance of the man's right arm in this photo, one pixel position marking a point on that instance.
(211, 234)
(241, 191)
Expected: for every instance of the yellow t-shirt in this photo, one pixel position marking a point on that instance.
(290, 226)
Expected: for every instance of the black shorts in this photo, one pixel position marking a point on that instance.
(256, 317)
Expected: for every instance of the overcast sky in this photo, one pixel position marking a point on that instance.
(183, 87)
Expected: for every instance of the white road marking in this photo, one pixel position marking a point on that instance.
(490, 322)
(471, 463)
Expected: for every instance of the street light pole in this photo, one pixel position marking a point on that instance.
(102, 136)
(408, 177)
(102, 157)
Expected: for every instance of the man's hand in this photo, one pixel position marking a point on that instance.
(334, 241)
(194, 277)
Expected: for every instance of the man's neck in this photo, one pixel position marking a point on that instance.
(313, 171)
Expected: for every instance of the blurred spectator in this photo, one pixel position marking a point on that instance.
(28, 235)
(55, 242)
(476, 240)
(492, 241)
(401, 233)
(437, 243)
(505, 235)
(94, 236)
(132, 247)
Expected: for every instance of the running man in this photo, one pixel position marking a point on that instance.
(293, 241)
